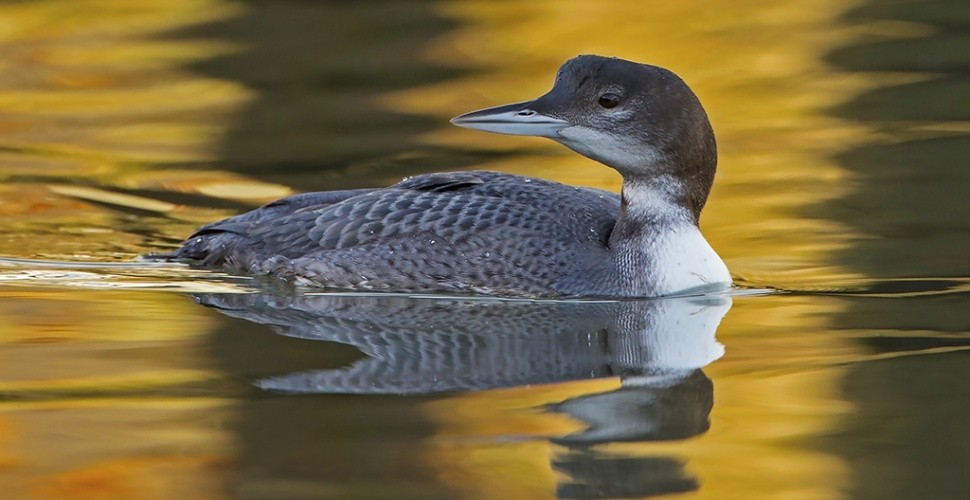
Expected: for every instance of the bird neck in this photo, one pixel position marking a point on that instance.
(656, 245)
(648, 202)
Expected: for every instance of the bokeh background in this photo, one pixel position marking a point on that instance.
(844, 132)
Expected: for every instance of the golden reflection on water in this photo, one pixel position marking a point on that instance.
(469, 426)
(99, 94)
(84, 66)
(93, 92)
(73, 428)
(759, 425)
(767, 96)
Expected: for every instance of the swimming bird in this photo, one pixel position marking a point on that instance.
(507, 235)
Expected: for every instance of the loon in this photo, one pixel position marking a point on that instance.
(491, 233)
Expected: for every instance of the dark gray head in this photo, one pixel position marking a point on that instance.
(642, 120)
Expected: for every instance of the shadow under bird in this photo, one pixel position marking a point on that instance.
(499, 234)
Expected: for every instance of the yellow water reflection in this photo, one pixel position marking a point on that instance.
(95, 95)
(759, 425)
(69, 65)
(95, 92)
(71, 425)
(471, 424)
(758, 69)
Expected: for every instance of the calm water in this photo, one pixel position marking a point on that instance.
(844, 131)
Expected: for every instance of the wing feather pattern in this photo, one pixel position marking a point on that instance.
(437, 231)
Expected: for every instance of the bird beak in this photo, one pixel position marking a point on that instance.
(512, 119)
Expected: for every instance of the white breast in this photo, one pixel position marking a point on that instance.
(682, 261)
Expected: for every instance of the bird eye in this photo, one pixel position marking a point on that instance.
(609, 100)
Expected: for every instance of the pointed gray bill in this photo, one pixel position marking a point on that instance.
(512, 119)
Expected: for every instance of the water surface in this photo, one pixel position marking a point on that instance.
(843, 132)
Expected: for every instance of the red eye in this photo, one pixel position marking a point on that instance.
(609, 100)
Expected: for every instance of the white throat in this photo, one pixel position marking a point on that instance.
(670, 254)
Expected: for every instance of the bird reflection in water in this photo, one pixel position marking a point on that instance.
(422, 346)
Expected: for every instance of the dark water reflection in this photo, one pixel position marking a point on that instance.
(416, 346)
(423, 347)
(318, 71)
(114, 384)
(909, 440)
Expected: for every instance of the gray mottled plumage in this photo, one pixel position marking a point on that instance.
(483, 232)
(500, 234)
